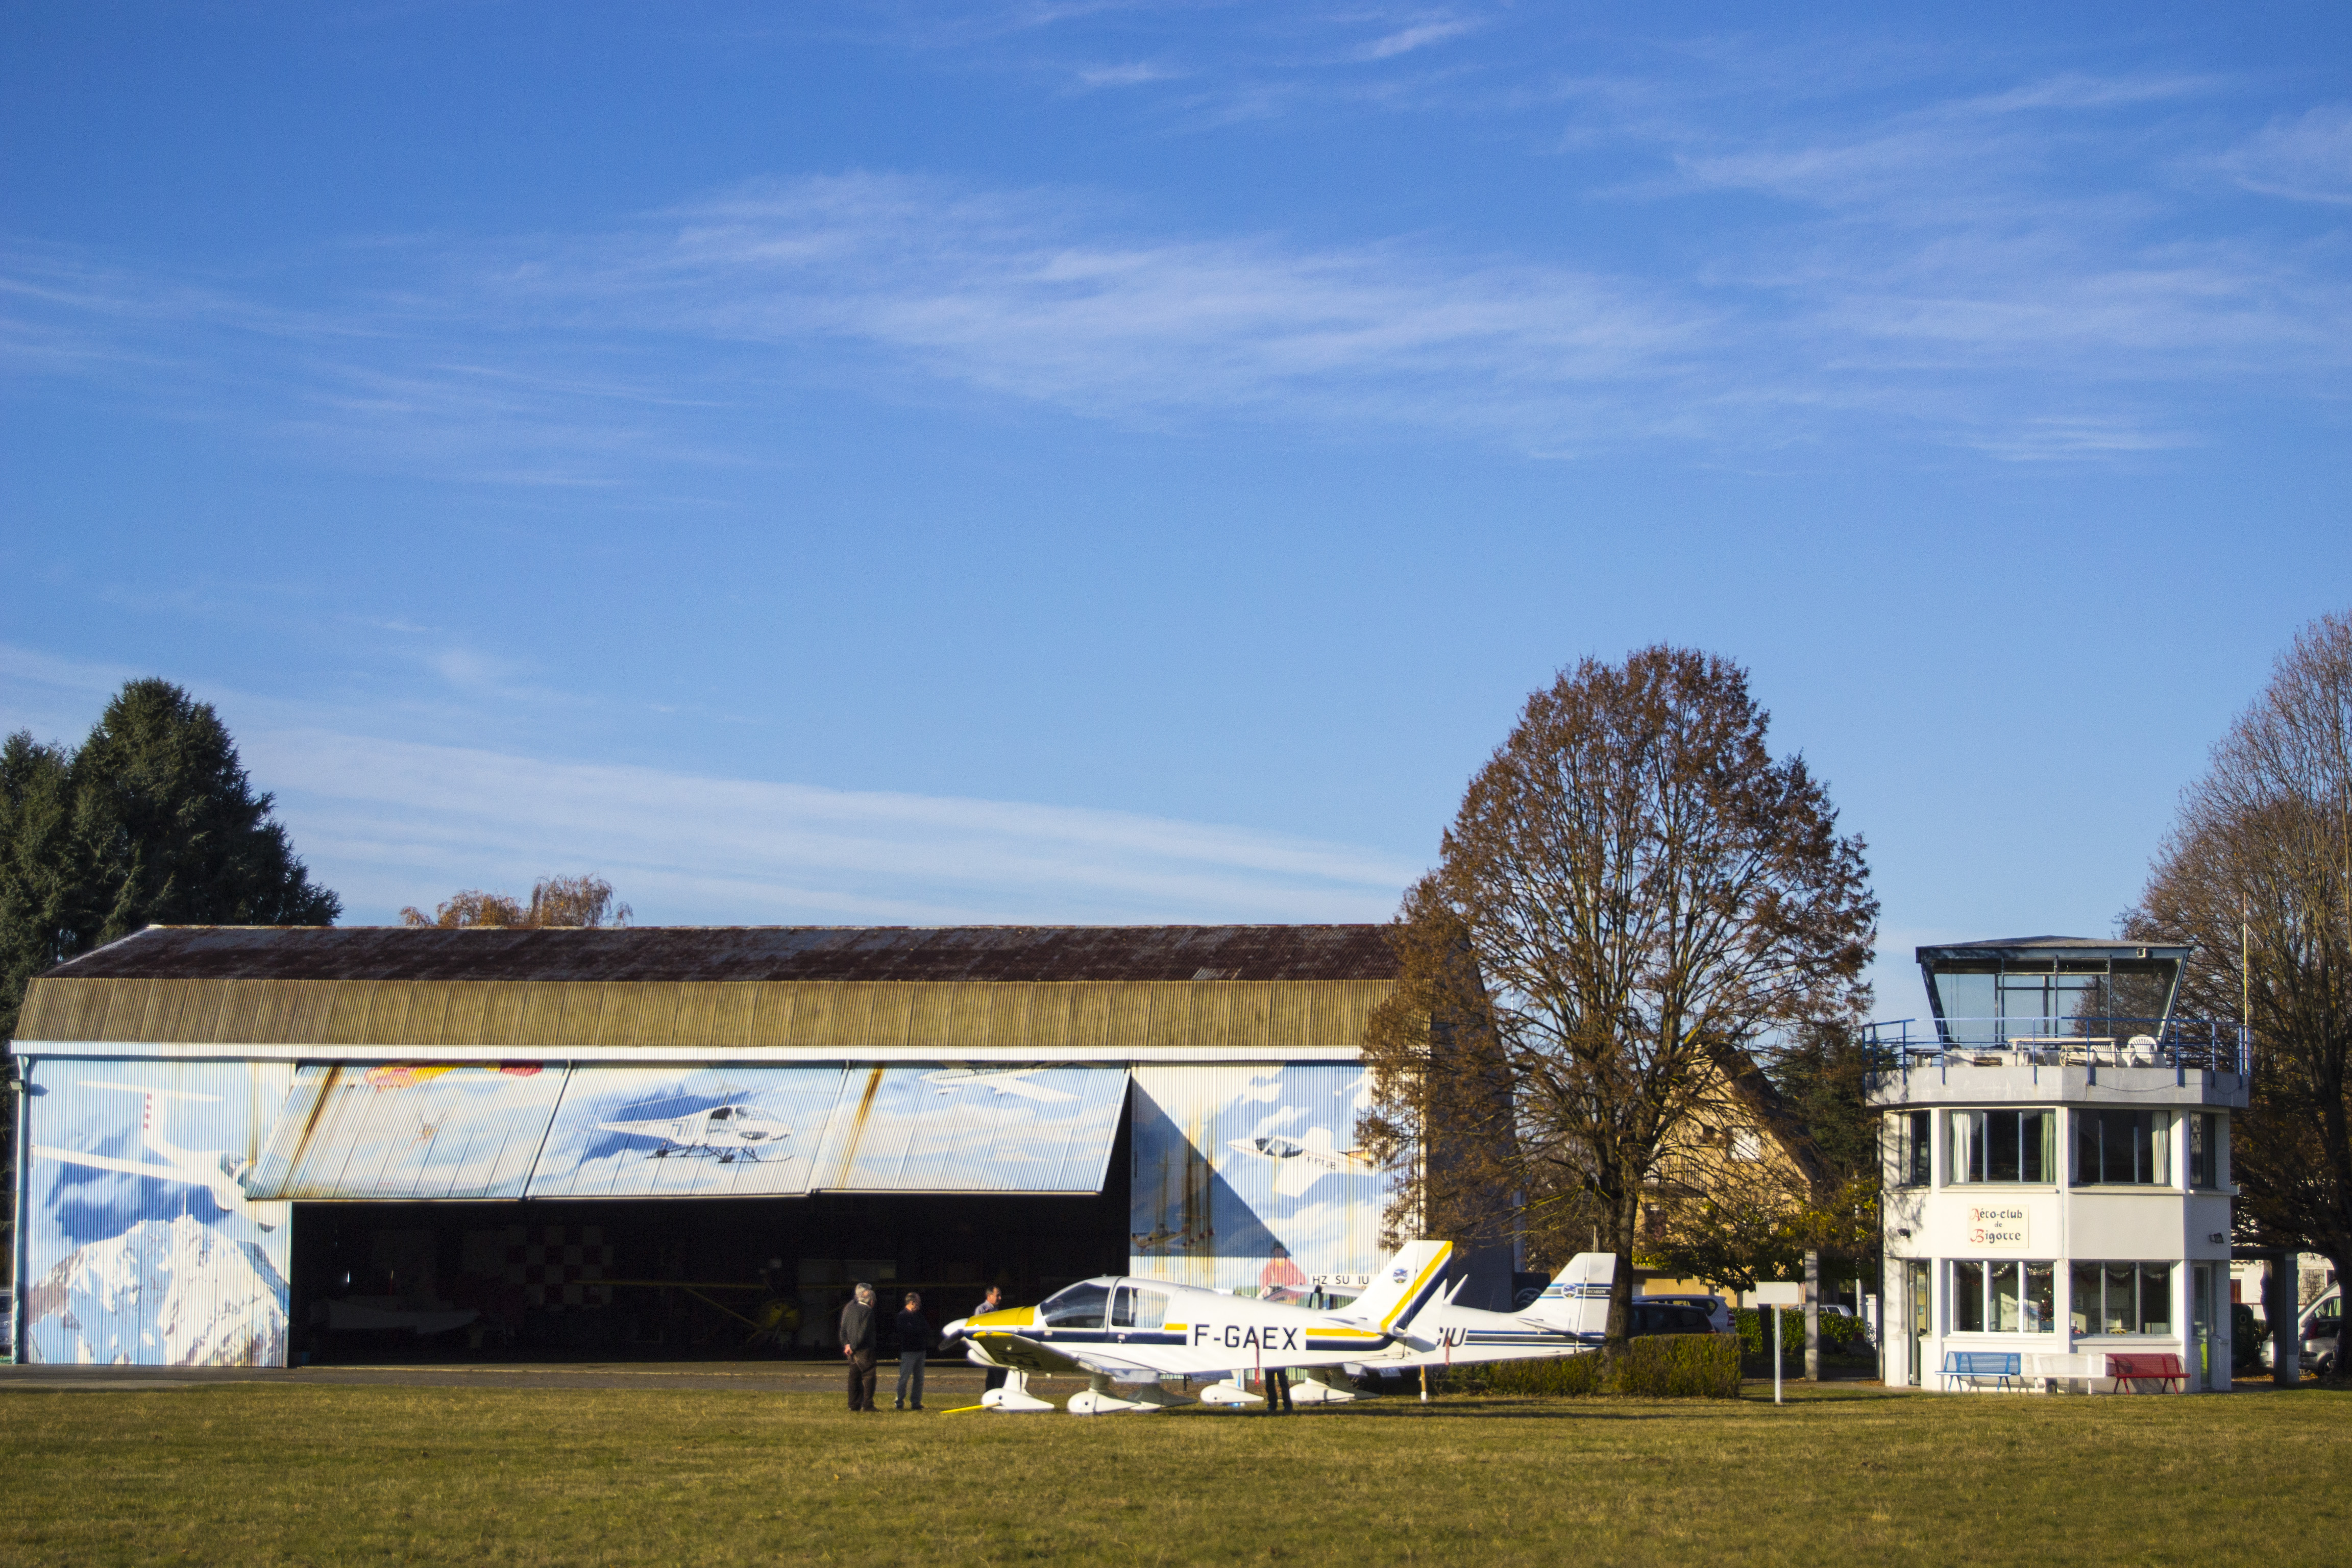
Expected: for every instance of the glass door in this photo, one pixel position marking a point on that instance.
(2212, 1367)
(1922, 1294)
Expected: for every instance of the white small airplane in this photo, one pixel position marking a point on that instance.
(1134, 1331)
(217, 1171)
(1300, 1163)
(1004, 1080)
(725, 1132)
(1574, 1306)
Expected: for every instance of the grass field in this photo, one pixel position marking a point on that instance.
(253, 1474)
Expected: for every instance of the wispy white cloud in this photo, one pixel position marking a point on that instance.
(2305, 158)
(388, 821)
(1133, 74)
(1931, 270)
(1418, 36)
(1021, 294)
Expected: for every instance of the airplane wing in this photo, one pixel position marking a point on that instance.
(1027, 1090)
(1025, 1355)
(107, 1162)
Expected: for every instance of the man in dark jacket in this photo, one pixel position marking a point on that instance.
(916, 1337)
(858, 1337)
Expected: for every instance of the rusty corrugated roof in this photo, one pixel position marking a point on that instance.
(680, 953)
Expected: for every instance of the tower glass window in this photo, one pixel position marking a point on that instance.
(2204, 1129)
(1908, 1142)
(2004, 1146)
(2122, 1297)
(2123, 1148)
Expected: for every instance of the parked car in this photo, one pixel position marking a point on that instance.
(2323, 1323)
(1718, 1310)
(2323, 1332)
(1652, 1316)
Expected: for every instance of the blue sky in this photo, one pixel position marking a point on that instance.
(1128, 462)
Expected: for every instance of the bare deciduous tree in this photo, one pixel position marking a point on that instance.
(574, 901)
(1634, 893)
(2257, 875)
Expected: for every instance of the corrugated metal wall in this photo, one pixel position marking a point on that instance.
(1244, 1177)
(410, 1130)
(935, 1129)
(141, 1244)
(649, 1132)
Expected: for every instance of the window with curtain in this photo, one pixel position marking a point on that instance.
(2003, 1297)
(2123, 1148)
(2003, 1145)
(2122, 1297)
(1968, 1297)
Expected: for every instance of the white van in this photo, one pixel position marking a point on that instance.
(2321, 1323)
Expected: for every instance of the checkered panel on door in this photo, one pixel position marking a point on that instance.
(558, 1266)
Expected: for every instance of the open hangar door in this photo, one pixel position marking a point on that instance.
(689, 1277)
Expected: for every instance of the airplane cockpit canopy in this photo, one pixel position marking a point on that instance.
(1078, 1306)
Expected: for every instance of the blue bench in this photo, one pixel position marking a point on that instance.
(1972, 1364)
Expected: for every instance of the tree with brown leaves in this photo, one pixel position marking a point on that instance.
(1633, 894)
(584, 902)
(2257, 876)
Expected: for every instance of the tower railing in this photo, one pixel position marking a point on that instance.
(2078, 1040)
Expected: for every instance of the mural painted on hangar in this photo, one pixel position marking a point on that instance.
(142, 1245)
(410, 1130)
(687, 1131)
(1247, 1178)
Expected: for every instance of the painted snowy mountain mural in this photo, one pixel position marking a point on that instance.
(175, 1292)
(142, 1245)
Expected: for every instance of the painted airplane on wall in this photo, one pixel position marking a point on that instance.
(1004, 1080)
(1301, 1162)
(1133, 1331)
(217, 1170)
(726, 1132)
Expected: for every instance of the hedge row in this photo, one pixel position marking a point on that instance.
(1837, 1331)
(1656, 1367)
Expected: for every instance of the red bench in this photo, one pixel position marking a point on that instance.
(2127, 1370)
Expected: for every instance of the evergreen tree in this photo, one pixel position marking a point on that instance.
(152, 821)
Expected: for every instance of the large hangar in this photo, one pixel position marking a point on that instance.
(260, 1145)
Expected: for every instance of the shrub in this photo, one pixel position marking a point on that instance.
(1683, 1366)
(2248, 1334)
(1569, 1375)
(1657, 1366)
(1838, 1333)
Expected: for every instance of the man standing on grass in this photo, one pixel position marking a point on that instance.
(914, 1339)
(857, 1346)
(990, 1303)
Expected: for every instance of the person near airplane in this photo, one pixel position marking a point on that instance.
(857, 1341)
(990, 1303)
(916, 1337)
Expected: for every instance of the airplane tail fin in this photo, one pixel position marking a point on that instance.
(1578, 1301)
(1404, 1284)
